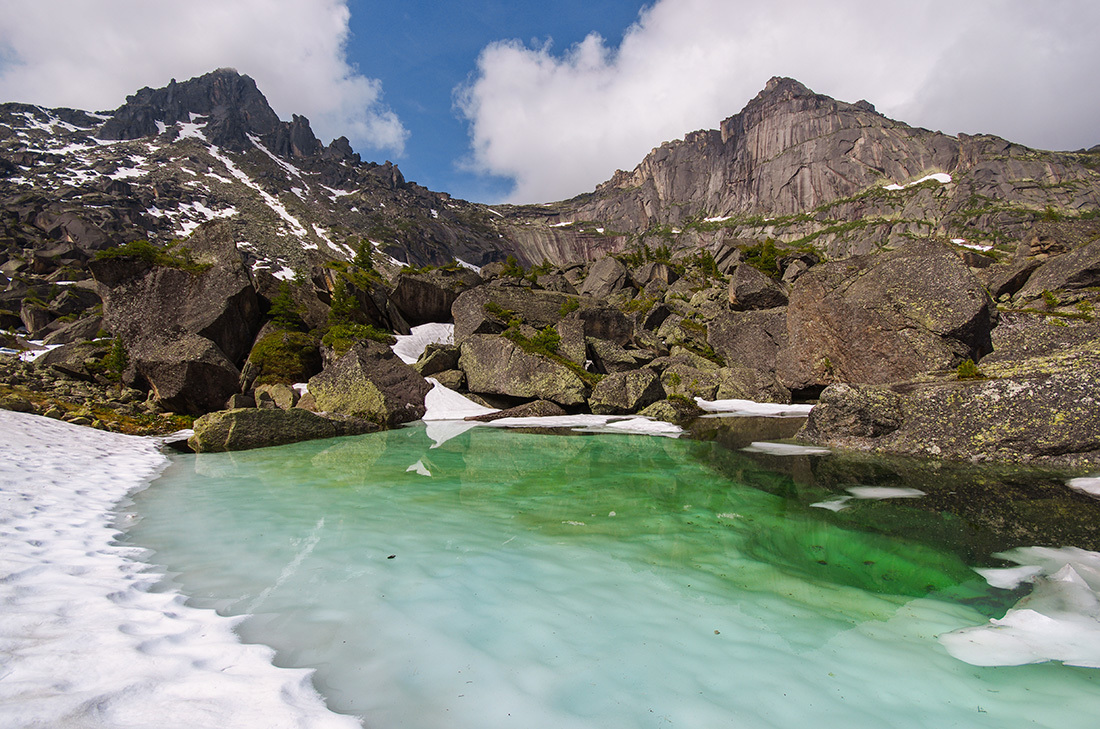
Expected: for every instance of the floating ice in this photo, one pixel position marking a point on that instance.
(786, 449)
(1086, 484)
(420, 468)
(1058, 621)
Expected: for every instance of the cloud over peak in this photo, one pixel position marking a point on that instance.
(91, 55)
(561, 122)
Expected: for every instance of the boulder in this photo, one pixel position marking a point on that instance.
(679, 410)
(80, 359)
(884, 317)
(79, 330)
(657, 273)
(609, 357)
(1039, 410)
(428, 297)
(622, 393)
(497, 366)
(214, 298)
(749, 288)
(605, 277)
(371, 382)
(604, 322)
(750, 338)
(188, 374)
(534, 409)
(488, 309)
(1078, 269)
(437, 358)
(282, 397)
(247, 428)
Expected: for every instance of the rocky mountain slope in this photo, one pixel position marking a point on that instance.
(198, 253)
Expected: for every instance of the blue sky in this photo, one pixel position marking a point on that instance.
(527, 101)
(422, 51)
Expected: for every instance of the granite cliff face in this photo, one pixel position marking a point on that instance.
(802, 168)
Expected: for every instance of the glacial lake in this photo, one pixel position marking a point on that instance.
(526, 579)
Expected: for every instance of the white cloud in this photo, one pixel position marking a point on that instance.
(90, 55)
(561, 122)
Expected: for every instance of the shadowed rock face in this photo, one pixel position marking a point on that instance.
(496, 366)
(884, 318)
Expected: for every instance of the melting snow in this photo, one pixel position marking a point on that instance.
(86, 641)
(939, 177)
(786, 449)
(1086, 484)
(409, 347)
(1058, 621)
(750, 408)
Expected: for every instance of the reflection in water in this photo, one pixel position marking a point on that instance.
(517, 579)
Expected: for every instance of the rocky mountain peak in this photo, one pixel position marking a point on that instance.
(231, 103)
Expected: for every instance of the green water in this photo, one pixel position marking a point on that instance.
(538, 580)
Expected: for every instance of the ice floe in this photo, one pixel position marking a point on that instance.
(786, 449)
(1058, 621)
(85, 642)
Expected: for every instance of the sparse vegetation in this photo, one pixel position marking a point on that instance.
(143, 250)
(969, 371)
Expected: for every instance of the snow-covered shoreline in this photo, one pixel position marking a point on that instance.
(83, 642)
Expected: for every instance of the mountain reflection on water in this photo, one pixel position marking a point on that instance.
(525, 579)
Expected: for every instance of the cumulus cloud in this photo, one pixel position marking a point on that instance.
(90, 55)
(559, 122)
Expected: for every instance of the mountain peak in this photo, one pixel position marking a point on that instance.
(231, 102)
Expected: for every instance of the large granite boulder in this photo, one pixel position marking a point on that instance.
(188, 374)
(884, 317)
(497, 366)
(1041, 409)
(371, 382)
(427, 297)
(750, 338)
(214, 298)
(488, 309)
(749, 288)
(1078, 269)
(624, 393)
(605, 277)
(246, 428)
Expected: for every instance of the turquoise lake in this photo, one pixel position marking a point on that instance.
(526, 579)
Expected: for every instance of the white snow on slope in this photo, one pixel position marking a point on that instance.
(296, 226)
(751, 408)
(940, 177)
(409, 347)
(83, 642)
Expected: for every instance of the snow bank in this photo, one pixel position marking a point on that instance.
(1086, 484)
(409, 347)
(750, 408)
(1058, 621)
(785, 449)
(83, 642)
(940, 177)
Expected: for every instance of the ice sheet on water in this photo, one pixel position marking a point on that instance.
(1058, 621)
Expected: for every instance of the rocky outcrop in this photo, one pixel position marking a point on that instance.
(626, 392)
(371, 382)
(751, 289)
(498, 366)
(1040, 410)
(248, 428)
(427, 297)
(884, 317)
(187, 374)
(605, 277)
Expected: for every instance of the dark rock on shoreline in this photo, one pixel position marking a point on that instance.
(247, 428)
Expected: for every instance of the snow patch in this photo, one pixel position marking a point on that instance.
(1086, 484)
(785, 449)
(751, 408)
(409, 347)
(940, 177)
